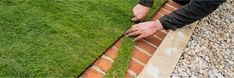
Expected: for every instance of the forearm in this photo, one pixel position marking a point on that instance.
(191, 12)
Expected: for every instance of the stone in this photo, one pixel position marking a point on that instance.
(209, 52)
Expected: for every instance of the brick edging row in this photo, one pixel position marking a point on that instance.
(142, 52)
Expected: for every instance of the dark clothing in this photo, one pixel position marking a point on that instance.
(191, 11)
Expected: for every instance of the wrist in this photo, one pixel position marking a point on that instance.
(158, 25)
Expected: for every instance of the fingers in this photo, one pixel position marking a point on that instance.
(138, 37)
(136, 33)
(131, 30)
(136, 18)
(134, 28)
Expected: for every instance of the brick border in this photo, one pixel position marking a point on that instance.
(104, 63)
(142, 52)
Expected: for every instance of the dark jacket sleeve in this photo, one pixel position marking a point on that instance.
(189, 13)
(148, 3)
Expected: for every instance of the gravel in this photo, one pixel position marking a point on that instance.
(210, 51)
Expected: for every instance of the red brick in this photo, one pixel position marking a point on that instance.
(128, 76)
(169, 8)
(136, 67)
(118, 43)
(160, 14)
(157, 16)
(163, 12)
(161, 34)
(141, 56)
(145, 46)
(153, 40)
(112, 53)
(174, 4)
(92, 73)
(103, 64)
(154, 19)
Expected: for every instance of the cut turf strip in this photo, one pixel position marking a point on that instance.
(120, 65)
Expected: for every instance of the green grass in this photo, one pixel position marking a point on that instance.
(58, 37)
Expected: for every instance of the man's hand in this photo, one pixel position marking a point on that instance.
(140, 12)
(145, 29)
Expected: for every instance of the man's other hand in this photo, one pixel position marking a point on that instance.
(140, 12)
(144, 29)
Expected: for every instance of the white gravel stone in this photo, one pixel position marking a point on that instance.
(210, 51)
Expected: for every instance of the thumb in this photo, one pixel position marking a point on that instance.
(135, 19)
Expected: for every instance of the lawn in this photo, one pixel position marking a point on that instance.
(58, 37)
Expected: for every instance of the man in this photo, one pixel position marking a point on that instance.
(191, 11)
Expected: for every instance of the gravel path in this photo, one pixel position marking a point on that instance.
(210, 51)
